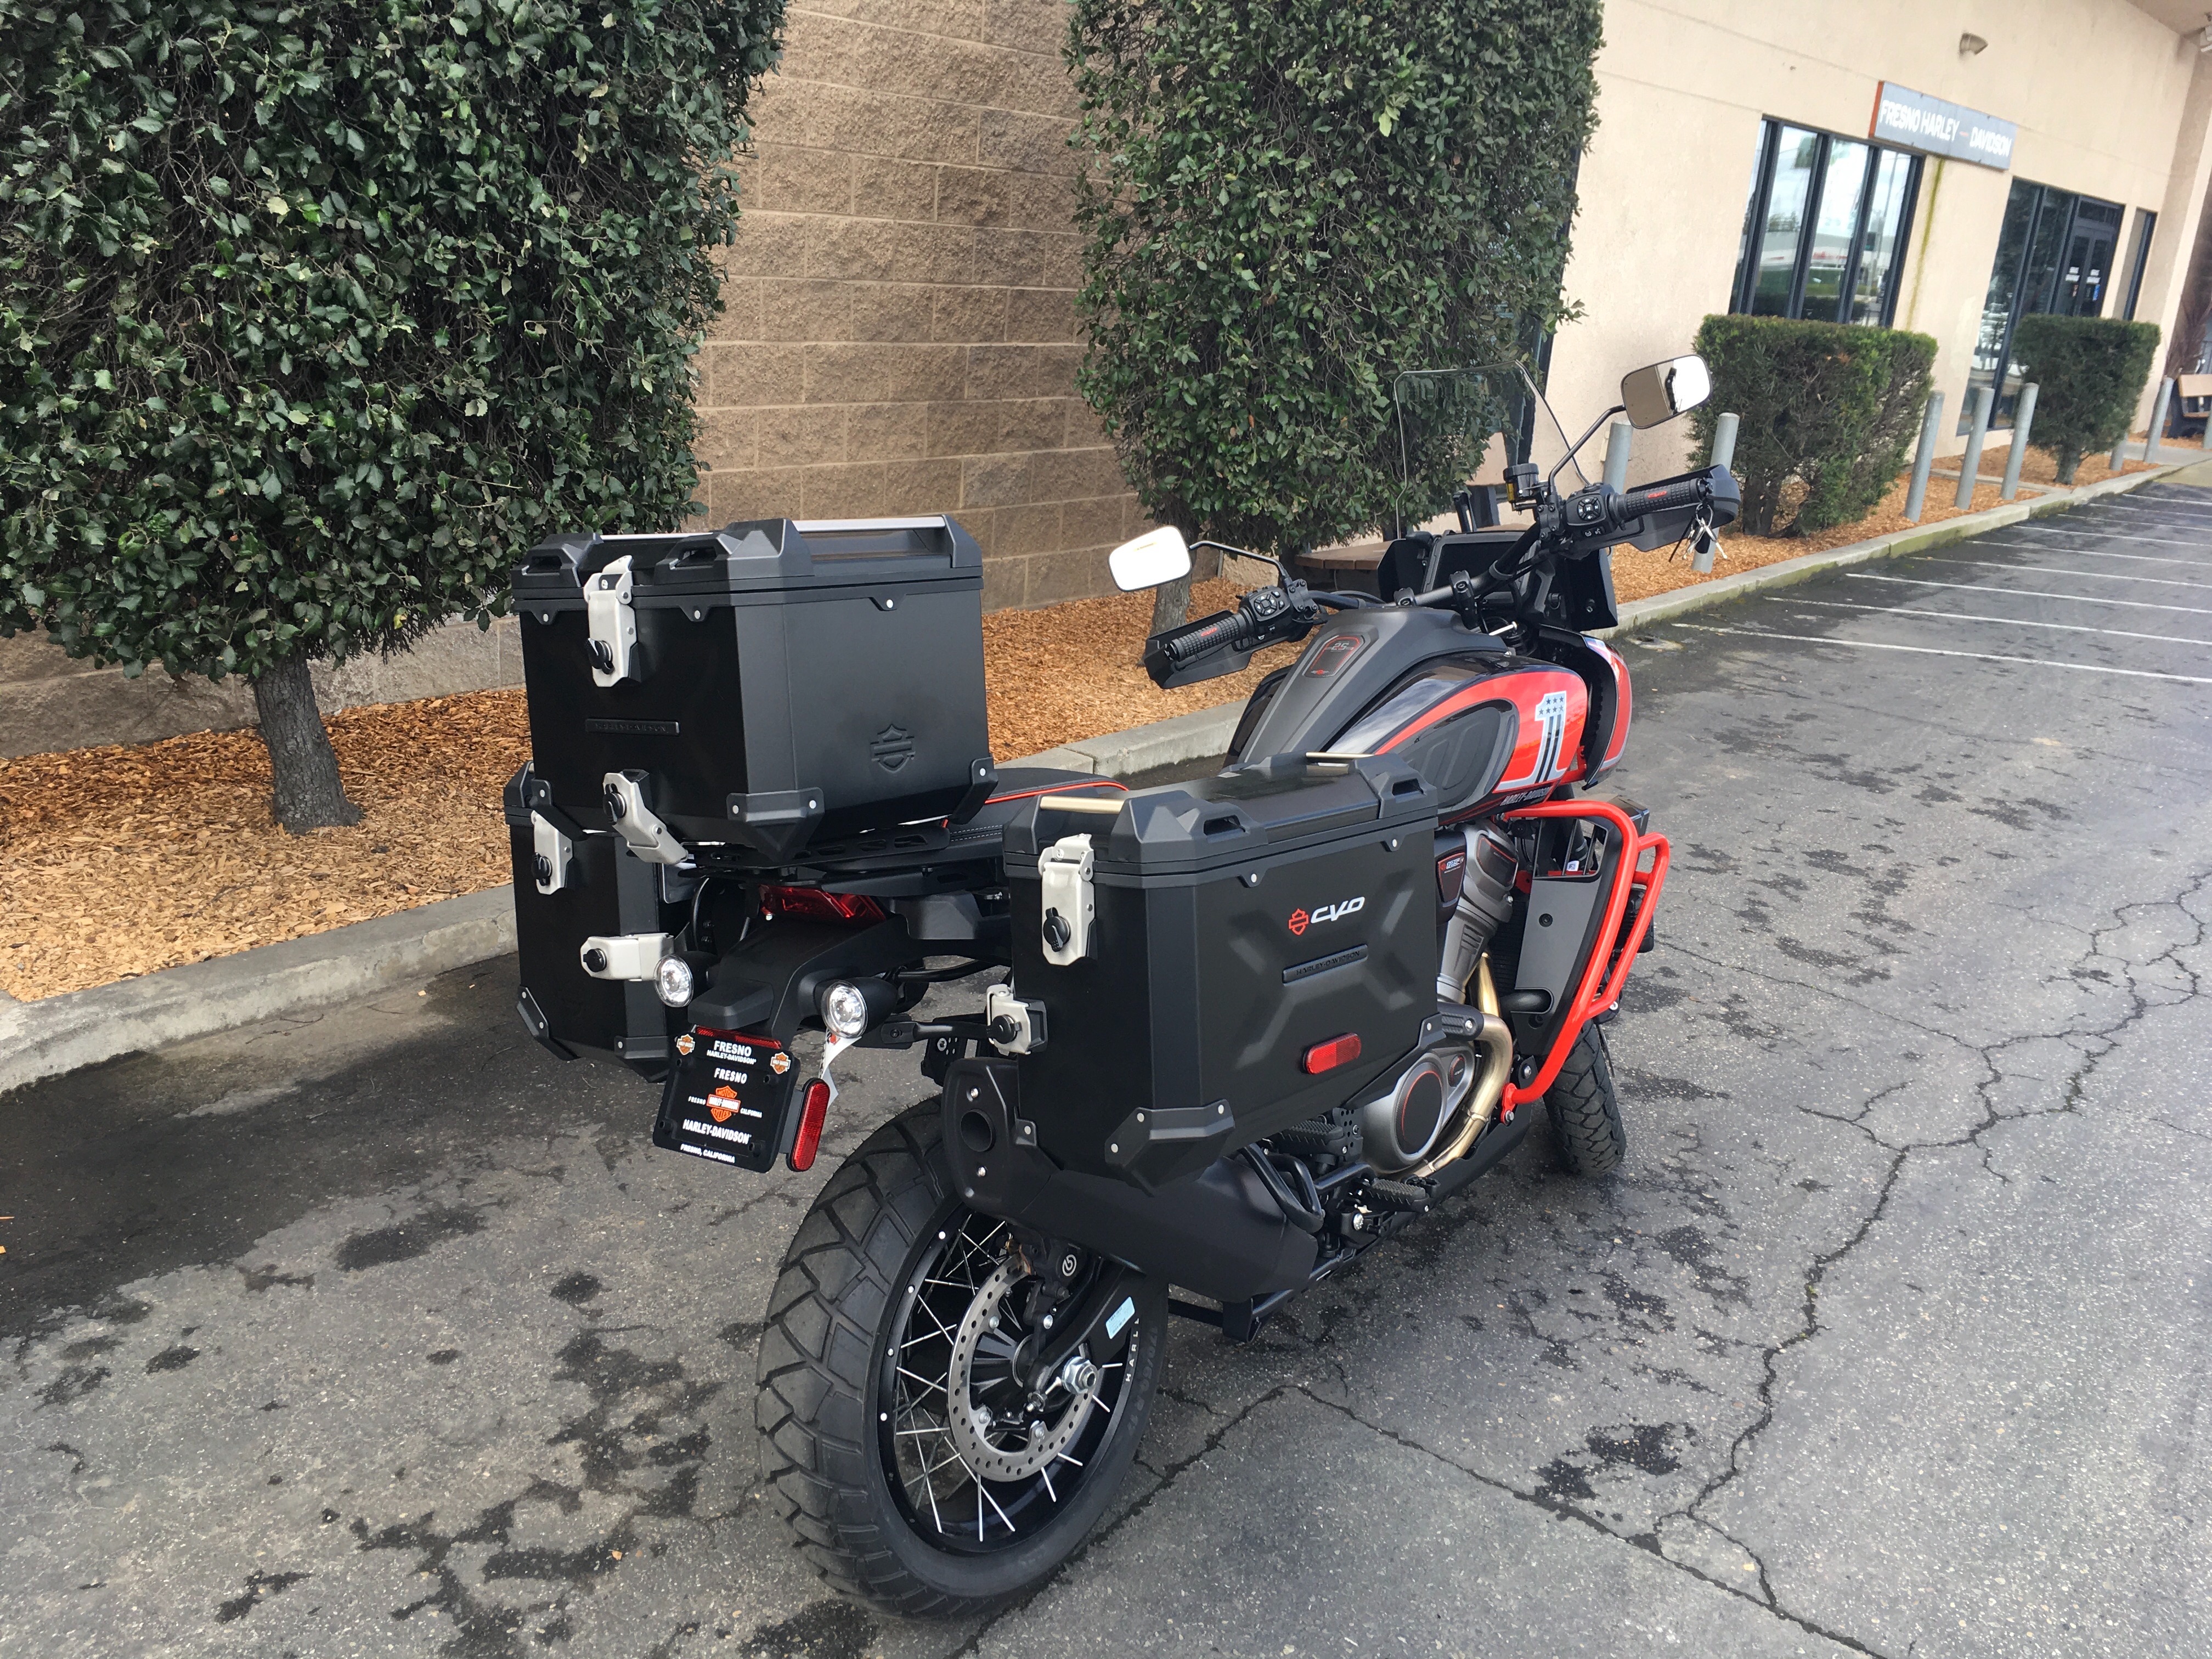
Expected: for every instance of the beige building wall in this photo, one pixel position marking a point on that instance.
(901, 332)
(2110, 101)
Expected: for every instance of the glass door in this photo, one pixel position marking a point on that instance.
(2054, 254)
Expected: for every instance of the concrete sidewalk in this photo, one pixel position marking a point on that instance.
(83, 1028)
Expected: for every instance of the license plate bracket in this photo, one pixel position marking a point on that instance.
(727, 1100)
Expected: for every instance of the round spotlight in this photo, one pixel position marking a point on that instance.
(672, 982)
(845, 1009)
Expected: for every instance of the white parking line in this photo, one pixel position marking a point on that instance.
(2054, 570)
(1963, 615)
(2154, 541)
(1933, 651)
(2030, 594)
(2100, 553)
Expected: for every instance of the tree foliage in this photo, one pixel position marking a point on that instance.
(1831, 407)
(1292, 202)
(311, 314)
(2090, 373)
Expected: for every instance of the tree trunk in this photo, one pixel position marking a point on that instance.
(2068, 459)
(309, 795)
(1170, 605)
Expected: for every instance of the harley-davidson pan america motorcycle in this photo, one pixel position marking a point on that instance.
(1243, 1030)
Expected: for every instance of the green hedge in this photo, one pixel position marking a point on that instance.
(1832, 406)
(1291, 201)
(311, 316)
(2090, 373)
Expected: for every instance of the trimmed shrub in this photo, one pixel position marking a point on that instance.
(311, 317)
(1832, 407)
(1292, 202)
(2090, 373)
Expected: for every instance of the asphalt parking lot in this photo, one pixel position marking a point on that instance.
(381, 1331)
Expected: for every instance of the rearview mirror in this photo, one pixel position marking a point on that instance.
(1157, 556)
(1657, 392)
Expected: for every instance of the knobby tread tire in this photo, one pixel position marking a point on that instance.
(839, 1282)
(816, 1354)
(1585, 1107)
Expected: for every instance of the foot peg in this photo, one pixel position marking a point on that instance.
(1407, 1197)
(1317, 1139)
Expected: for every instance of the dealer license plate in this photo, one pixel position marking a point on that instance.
(727, 1099)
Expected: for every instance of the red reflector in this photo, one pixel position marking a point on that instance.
(1328, 1056)
(812, 1109)
(812, 904)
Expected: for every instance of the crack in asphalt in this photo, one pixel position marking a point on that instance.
(1168, 1477)
(1994, 1115)
(1565, 1510)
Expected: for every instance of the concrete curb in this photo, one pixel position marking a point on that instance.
(82, 1027)
(1163, 743)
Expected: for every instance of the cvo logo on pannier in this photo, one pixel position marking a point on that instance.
(1300, 920)
(893, 748)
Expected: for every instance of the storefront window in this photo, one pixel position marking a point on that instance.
(1825, 228)
(2054, 253)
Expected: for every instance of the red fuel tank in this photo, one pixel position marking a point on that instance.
(1484, 734)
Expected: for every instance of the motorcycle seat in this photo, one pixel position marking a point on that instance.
(1017, 787)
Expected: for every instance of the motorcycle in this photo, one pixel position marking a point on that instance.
(1250, 1026)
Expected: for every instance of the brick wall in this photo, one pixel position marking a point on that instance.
(900, 335)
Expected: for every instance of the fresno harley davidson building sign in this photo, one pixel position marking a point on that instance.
(1935, 126)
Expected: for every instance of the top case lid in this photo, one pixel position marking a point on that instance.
(1278, 806)
(762, 555)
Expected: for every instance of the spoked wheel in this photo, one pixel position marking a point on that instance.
(914, 1466)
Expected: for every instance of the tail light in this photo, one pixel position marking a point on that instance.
(814, 1109)
(1328, 1056)
(812, 904)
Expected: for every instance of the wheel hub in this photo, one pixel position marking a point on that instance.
(989, 1413)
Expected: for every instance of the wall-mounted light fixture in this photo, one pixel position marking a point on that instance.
(1971, 44)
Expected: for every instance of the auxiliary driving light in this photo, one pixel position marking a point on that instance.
(845, 1009)
(673, 980)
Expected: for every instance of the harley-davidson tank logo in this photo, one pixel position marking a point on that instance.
(893, 748)
(1301, 920)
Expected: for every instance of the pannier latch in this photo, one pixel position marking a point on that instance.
(646, 834)
(1016, 1027)
(553, 852)
(613, 623)
(1065, 871)
(625, 956)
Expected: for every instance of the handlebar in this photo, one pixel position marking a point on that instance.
(1229, 628)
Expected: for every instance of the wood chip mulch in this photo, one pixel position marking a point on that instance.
(119, 860)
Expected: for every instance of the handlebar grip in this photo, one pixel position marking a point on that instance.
(1186, 644)
(1688, 492)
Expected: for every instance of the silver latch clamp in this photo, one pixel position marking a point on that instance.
(1067, 902)
(613, 623)
(553, 852)
(625, 956)
(645, 835)
(1015, 1027)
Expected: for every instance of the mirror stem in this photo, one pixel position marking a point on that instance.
(1618, 408)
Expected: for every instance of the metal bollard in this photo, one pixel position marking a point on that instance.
(2152, 439)
(1616, 440)
(1724, 441)
(2023, 419)
(1917, 497)
(1969, 464)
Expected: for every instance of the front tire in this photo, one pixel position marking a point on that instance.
(1585, 1107)
(857, 1448)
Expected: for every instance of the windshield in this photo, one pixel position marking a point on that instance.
(1468, 423)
